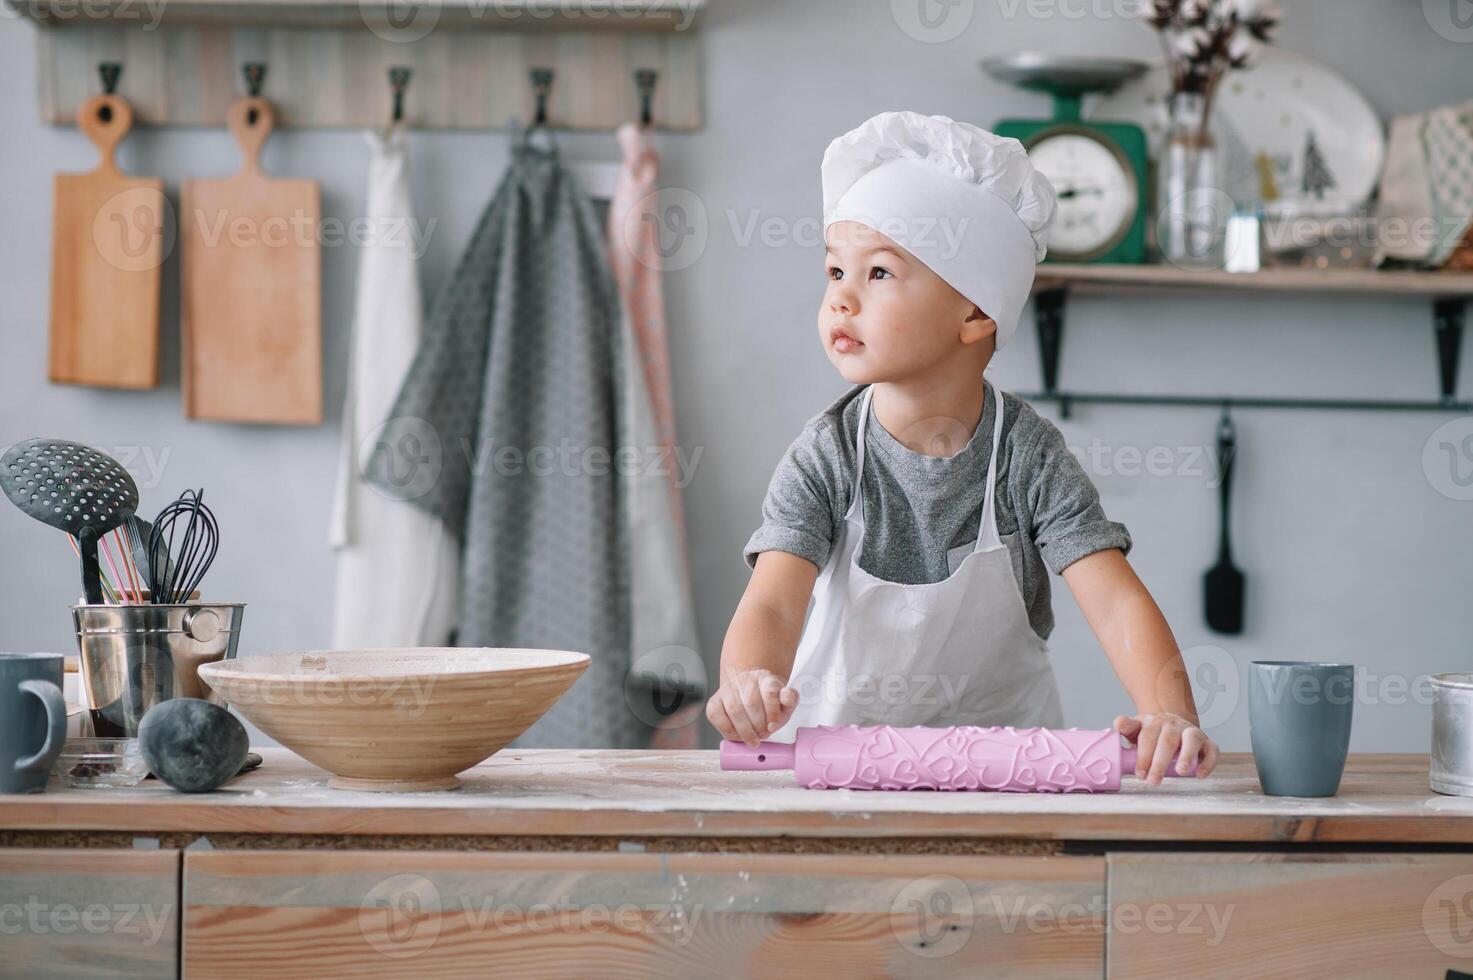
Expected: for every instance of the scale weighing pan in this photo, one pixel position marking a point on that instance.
(1060, 74)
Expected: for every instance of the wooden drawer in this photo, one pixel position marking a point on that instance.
(1290, 915)
(88, 913)
(452, 914)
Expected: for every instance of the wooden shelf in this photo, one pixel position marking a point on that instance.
(1167, 278)
(1447, 293)
(643, 16)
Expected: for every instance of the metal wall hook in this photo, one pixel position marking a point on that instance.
(398, 82)
(541, 88)
(255, 77)
(645, 79)
(109, 72)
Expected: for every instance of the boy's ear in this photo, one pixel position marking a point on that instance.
(977, 326)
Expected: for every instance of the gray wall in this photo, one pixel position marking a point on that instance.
(1351, 552)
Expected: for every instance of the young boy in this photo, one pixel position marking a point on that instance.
(923, 510)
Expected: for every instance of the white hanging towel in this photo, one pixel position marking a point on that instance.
(398, 566)
(663, 641)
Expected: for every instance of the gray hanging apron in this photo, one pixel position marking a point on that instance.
(505, 429)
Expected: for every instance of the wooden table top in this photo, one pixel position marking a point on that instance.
(1382, 798)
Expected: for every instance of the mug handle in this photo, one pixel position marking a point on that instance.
(51, 699)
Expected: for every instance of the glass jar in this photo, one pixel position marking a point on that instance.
(1192, 209)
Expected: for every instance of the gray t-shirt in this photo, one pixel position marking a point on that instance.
(922, 513)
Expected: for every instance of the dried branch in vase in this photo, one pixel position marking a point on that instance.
(1202, 40)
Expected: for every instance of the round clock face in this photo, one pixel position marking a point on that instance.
(1096, 191)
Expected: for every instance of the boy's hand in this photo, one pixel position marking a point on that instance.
(751, 705)
(1158, 736)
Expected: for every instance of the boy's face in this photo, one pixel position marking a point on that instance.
(885, 315)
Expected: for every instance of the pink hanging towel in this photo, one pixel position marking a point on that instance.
(663, 642)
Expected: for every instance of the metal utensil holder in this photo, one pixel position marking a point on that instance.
(133, 657)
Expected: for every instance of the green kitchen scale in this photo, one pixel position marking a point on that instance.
(1099, 169)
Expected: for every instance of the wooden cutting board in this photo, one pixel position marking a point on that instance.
(251, 288)
(107, 246)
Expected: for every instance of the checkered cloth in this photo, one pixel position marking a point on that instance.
(512, 403)
(1427, 184)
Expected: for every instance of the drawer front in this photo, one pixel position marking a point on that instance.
(452, 914)
(88, 913)
(1264, 915)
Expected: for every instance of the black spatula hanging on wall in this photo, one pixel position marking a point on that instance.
(1222, 586)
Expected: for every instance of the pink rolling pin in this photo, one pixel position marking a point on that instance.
(1011, 760)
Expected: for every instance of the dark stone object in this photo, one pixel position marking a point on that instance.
(192, 745)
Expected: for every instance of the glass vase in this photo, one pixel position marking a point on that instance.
(1192, 209)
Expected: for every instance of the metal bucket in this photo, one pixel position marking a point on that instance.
(133, 657)
(1452, 734)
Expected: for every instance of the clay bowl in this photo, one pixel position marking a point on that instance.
(403, 719)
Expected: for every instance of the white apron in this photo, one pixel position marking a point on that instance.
(956, 652)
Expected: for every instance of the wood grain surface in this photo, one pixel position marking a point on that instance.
(438, 914)
(1290, 915)
(1170, 278)
(251, 288)
(547, 793)
(89, 913)
(186, 72)
(396, 719)
(107, 246)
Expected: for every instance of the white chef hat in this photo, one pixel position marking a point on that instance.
(966, 202)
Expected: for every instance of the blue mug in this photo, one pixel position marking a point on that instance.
(32, 719)
(1299, 715)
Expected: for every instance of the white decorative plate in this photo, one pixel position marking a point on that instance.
(1270, 109)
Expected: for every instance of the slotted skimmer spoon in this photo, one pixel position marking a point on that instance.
(72, 487)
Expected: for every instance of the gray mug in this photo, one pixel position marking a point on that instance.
(1299, 717)
(32, 719)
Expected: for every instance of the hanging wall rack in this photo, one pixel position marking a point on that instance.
(472, 62)
(1447, 294)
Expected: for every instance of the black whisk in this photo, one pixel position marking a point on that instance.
(174, 574)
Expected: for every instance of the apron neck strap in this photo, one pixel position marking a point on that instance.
(854, 502)
(987, 527)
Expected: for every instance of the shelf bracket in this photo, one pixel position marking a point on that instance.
(1447, 328)
(1048, 318)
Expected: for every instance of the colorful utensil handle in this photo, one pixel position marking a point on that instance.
(966, 757)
